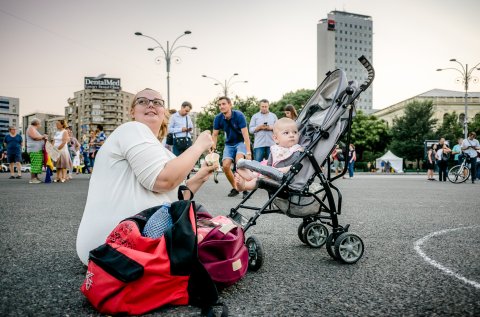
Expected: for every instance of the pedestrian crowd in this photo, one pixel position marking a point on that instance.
(440, 154)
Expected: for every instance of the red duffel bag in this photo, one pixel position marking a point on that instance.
(221, 248)
(133, 274)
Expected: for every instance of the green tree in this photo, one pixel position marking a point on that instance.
(370, 136)
(204, 121)
(451, 129)
(411, 130)
(474, 125)
(297, 98)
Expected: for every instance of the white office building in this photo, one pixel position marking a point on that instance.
(9, 115)
(341, 39)
(102, 102)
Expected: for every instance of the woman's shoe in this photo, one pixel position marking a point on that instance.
(62, 181)
(56, 180)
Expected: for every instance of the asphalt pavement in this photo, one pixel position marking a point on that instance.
(421, 252)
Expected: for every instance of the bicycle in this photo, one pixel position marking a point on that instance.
(460, 173)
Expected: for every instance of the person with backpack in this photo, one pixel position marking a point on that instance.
(443, 155)
(338, 159)
(471, 147)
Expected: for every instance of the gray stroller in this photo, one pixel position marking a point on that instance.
(306, 191)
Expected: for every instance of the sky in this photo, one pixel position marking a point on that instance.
(49, 46)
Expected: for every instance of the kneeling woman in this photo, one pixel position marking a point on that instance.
(133, 171)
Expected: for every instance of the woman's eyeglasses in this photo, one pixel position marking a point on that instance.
(145, 102)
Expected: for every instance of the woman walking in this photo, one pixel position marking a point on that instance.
(352, 157)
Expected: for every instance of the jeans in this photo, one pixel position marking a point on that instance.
(473, 169)
(261, 153)
(86, 162)
(351, 168)
(442, 170)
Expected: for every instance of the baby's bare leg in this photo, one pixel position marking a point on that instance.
(246, 174)
(243, 184)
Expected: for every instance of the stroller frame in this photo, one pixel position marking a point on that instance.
(340, 244)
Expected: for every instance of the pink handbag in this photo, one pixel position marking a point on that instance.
(222, 250)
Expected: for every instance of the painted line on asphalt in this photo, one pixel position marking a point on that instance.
(444, 269)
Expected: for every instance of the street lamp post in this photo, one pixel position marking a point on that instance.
(167, 55)
(227, 83)
(466, 76)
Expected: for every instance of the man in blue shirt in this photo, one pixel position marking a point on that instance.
(181, 126)
(261, 125)
(100, 138)
(13, 142)
(237, 140)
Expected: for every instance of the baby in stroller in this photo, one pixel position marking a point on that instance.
(282, 154)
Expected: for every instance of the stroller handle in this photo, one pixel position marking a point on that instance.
(371, 72)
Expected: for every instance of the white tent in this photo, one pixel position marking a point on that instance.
(395, 162)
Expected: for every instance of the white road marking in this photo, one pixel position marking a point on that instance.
(446, 270)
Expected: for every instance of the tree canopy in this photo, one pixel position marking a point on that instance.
(451, 129)
(297, 98)
(369, 135)
(411, 130)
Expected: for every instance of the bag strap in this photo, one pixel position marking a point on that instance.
(180, 192)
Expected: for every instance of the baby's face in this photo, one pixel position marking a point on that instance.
(286, 135)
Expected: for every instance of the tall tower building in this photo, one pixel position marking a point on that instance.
(341, 39)
(102, 102)
(9, 115)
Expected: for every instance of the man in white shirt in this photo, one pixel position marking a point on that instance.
(261, 125)
(470, 147)
(181, 126)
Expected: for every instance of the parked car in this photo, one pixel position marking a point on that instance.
(26, 168)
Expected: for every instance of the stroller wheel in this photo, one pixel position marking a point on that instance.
(348, 248)
(300, 231)
(315, 234)
(330, 245)
(255, 253)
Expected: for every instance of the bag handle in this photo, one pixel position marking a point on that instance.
(180, 192)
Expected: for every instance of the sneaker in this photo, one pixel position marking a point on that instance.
(35, 181)
(233, 193)
(245, 194)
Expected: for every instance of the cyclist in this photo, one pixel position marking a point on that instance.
(470, 147)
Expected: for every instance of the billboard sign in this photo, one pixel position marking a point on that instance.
(102, 83)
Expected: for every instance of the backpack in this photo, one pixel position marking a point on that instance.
(221, 248)
(133, 274)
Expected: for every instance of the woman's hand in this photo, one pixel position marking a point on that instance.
(205, 171)
(204, 141)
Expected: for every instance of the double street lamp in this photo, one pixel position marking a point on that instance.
(466, 76)
(227, 83)
(167, 55)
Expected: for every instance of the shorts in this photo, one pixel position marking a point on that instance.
(14, 157)
(338, 164)
(230, 151)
